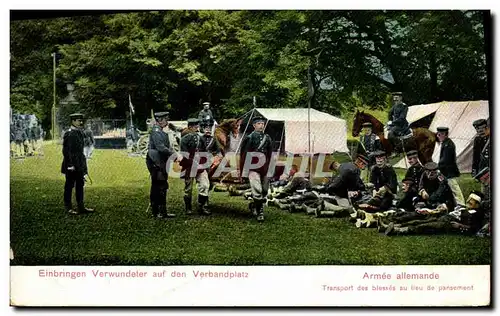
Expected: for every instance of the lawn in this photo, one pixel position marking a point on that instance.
(122, 233)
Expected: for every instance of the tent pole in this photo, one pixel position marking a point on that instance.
(311, 93)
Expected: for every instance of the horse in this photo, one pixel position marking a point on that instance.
(422, 140)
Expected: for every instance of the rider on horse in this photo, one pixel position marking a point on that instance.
(398, 126)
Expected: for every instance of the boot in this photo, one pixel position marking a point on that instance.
(260, 211)
(154, 210)
(396, 229)
(203, 205)
(252, 208)
(82, 209)
(188, 206)
(283, 206)
(163, 213)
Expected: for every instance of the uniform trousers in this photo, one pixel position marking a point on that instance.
(259, 185)
(74, 179)
(202, 181)
(457, 192)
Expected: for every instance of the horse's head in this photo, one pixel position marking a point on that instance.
(356, 124)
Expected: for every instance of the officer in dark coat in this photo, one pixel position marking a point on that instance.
(482, 146)
(370, 143)
(258, 145)
(448, 163)
(348, 179)
(192, 143)
(433, 188)
(397, 123)
(385, 182)
(159, 153)
(205, 115)
(74, 165)
(416, 169)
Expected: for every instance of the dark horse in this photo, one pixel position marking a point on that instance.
(422, 140)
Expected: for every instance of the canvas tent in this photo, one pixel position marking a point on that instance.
(289, 130)
(458, 117)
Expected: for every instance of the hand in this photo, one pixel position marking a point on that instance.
(71, 168)
(422, 211)
(352, 194)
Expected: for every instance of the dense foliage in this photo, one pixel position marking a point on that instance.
(178, 59)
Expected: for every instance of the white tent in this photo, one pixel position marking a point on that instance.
(458, 117)
(328, 133)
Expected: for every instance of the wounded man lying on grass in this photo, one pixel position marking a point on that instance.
(463, 220)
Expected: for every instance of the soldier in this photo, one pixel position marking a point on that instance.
(35, 132)
(446, 155)
(20, 136)
(211, 145)
(88, 142)
(481, 151)
(159, 152)
(383, 177)
(206, 115)
(397, 124)
(465, 220)
(28, 151)
(370, 142)
(409, 194)
(416, 169)
(254, 144)
(74, 165)
(192, 143)
(12, 139)
(433, 188)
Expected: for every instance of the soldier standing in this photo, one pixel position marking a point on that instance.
(211, 145)
(19, 137)
(193, 143)
(159, 152)
(446, 155)
(260, 146)
(481, 151)
(416, 169)
(74, 165)
(398, 125)
(88, 142)
(35, 136)
(205, 115)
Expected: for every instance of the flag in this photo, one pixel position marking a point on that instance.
(130, 105)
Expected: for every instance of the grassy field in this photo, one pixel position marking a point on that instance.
(122, 233)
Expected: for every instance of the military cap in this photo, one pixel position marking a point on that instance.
(367, 124)
(76, 116)
(481, 173)
(258, 119)
(159, 115)
(412, 153)
(443, 129)
(408, 180)
(363, 158)
(378, 153)
(206, 103)
(431, 166)
(193, 121)
(397, 93)
(479, 122)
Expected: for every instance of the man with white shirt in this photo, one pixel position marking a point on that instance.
(446, 155)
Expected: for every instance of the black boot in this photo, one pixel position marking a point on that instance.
(82, 209)
(163, 213)
(203, 205)
(154, 210)
(187, 203)
(260, 211)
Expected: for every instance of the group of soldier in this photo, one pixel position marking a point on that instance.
(430, 199)
(26, 136)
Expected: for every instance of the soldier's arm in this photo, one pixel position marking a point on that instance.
(393, 181)
(159, 145)
(389, 116)
(243, 152)
(476, 156)
(68, 140)
(440, 194)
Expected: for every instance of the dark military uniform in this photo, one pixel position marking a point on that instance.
(481, 153)
(159, 152)
(370, 143)
(407, 201)
(74, 166)
(19, 137)
(449, 168)
(347, 180)
(205, 116)
(192, 143)
(212, 146)
(397, 115)
(257, 142)
(415, 171)
(438, 190)
(385, 183)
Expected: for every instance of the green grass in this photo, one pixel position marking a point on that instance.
(121, 233)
